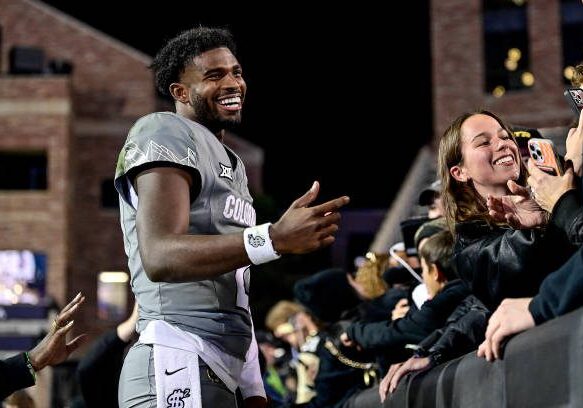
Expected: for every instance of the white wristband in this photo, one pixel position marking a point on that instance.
(258, 244)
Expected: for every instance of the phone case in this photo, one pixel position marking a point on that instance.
(575, 98)
(545, 156)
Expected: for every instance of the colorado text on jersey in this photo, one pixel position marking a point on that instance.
(239, 210)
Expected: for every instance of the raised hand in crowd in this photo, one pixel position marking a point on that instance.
(19, 371)
(511, 317)
(519, 209)
(54, 348)
(546, 189)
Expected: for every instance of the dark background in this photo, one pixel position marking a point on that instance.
(321, 84)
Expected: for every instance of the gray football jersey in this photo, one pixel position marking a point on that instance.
(215, 309)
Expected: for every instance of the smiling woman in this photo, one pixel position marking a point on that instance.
(492, 156)
(479, 158)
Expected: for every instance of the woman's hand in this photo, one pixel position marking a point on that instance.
(53, 348)
(519, 209)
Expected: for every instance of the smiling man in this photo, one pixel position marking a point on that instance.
(190, 235)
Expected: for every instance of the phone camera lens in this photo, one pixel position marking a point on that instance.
(531, 147)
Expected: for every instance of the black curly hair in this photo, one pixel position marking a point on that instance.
(173, 58)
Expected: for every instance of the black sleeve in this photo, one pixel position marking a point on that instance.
(567, 216)
(14, 375)
(561, 292)
(102, 365)
(509, 263)
(464, 332)
(425, 344)
(380, 335)
(462, 336)
(380, 308)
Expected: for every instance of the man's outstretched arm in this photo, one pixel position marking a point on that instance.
(169, 254)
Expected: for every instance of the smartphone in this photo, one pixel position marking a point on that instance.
(545, 156)
(575, 98)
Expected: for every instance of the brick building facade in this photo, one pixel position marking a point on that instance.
(458, 65)
(80, 121)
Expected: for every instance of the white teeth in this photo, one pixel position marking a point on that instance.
(504, 160)
(231, 101)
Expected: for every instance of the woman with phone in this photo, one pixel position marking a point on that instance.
(479, 159)
(561, 291)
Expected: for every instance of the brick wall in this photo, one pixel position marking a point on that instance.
(82, 120)
(109, 78)
(458, 66)
(38, 220)
(98, 243)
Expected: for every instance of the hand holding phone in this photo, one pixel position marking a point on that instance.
(545, 156)
(575, 98)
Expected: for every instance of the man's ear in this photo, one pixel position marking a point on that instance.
(179, 92)
(459, 174)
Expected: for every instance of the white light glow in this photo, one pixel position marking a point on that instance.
(113, 277)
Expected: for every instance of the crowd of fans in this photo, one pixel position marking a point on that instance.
(501, 253)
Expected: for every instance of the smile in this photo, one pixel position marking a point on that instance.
(504, 161)
(231, 103)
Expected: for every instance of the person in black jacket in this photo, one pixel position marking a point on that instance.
(479, 159)
(20, 371)
(562, 291)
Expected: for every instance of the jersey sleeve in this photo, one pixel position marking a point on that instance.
(158, 139)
